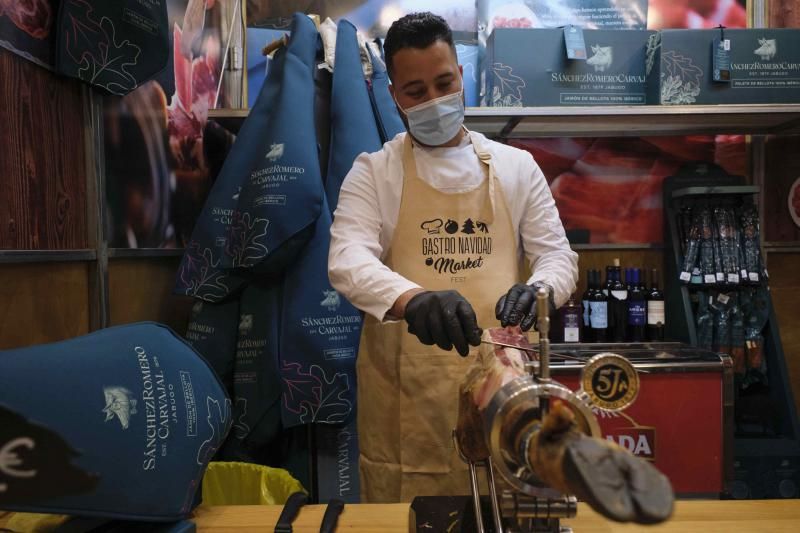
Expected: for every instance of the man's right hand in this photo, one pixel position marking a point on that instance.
(444, 318)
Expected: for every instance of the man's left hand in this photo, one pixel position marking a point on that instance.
(518, 305)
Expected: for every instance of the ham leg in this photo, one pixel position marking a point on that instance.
(610, 479)
(494, 367)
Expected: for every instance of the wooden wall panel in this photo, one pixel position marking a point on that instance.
(782, 168)
(784, 14)
(785, 287)
(782, 164)
(42, 159)
(141, 289)
(43, 302)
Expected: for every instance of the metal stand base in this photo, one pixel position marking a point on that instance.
(515, 512)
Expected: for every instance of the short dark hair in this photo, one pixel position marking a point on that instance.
(416, 30)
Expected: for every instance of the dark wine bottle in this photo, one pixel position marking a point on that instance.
(609, 280)
(571, 320)
(618, 306)
(585, 302)
(637, 309)
(598, 311)
(656, 319)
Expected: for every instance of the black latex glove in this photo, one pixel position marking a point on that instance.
(518, 305)
(443, 318)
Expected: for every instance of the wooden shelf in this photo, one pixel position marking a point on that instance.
(128, 253)
(724, 190)
(611, 121)
(42, 256)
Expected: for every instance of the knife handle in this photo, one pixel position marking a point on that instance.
(331, 517)
(290, 511)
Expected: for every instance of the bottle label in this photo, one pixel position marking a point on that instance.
(655, 313)
(572, 319)
(720, 277)
(620, 295)
(572, 335)
(637, 313)
(586, 313)
(733, 278)
(686, 277)
(753, 276)
(598, 314)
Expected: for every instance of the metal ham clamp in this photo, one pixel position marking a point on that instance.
(545, 441)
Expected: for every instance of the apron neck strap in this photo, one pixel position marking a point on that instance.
(486, 158)
(410, 167)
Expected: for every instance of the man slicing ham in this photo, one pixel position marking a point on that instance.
(427, 240)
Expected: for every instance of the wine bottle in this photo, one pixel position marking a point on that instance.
(571, 320)
(609, 280)
(598, 311)
(655, 310)
(585, 302)
(618, 306)
(637, 309)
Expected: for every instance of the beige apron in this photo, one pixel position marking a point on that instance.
(408, 392)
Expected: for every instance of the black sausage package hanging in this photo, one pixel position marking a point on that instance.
(121, 423)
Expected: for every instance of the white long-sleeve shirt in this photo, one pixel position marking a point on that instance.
(369, 205)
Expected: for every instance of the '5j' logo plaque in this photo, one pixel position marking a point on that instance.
(610, 381)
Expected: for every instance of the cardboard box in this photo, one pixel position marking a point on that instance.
(529, 67)
(764, 67)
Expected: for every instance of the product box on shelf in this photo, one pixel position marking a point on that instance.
(763, 67)
(529, 67)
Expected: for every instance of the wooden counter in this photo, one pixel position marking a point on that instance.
(730, 516)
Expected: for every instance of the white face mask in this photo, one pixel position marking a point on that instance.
(436, 121)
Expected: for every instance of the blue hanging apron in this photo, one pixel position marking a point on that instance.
(282, 195)
(256, 380)
(387, 117)
(201, 273)
(143, 411)
(261, 209)
(320, 331)
(353, 127)
(212, 332)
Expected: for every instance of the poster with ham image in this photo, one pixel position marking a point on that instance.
(26, 28)
(161, 157)
(608, 190)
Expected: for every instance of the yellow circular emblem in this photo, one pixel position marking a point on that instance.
(610, 381)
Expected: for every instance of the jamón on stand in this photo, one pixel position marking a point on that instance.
(609, 478)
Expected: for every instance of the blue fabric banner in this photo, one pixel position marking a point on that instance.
(337, 462)
(320, 332)
(386, 114)
(261, 209)
(143, 411)
(212, 332)
(353, 127)
(256, 380)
